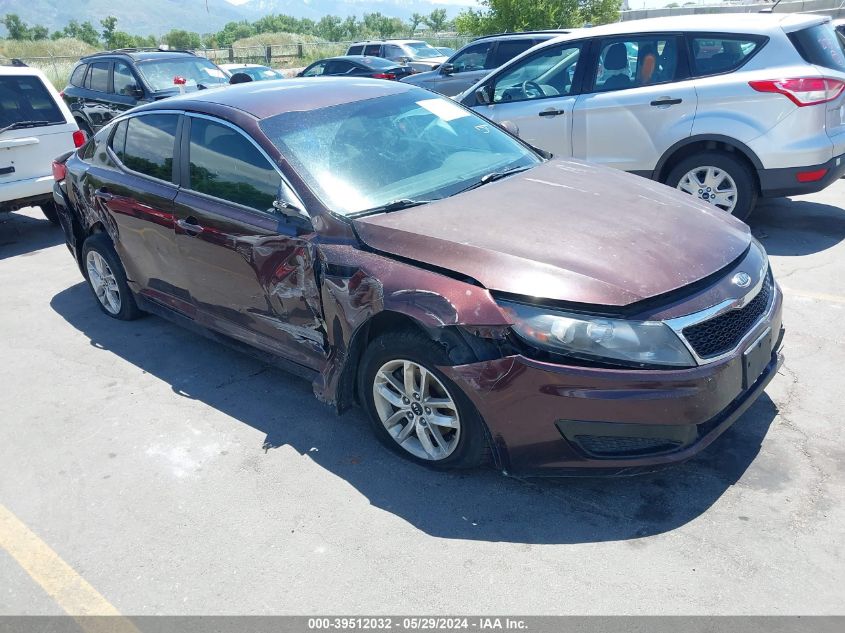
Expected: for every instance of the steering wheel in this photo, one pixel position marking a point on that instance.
(529, 87)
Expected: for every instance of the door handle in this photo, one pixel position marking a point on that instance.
(551, 112)
(189, 225)
(104, 194)
(666, 101)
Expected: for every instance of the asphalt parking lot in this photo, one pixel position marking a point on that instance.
(174, 476)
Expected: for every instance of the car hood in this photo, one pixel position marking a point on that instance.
(567, 231)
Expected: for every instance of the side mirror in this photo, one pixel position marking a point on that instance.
(510, 126)
(137, 92)
(299, 74)
(447, 69)
(482, 95)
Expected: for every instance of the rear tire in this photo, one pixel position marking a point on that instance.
(425, 417)
(107, 279)
(721, 172)
(50, 212)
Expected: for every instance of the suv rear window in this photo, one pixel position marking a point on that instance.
(78, 76)
(818, 45)
(26, 98)
(712, 55)
(355, 50)
(149, 145)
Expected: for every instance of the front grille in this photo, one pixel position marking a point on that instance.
(624, 446)
(723, 333)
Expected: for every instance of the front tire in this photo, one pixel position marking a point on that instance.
(414, 409)
(719, 179)
(107, 279)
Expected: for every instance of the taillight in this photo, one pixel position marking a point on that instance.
(390, 76)
(59, 171)
(79, 138)
(62, 94)
(802, 91)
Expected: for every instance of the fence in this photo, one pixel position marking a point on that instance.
(293, 55)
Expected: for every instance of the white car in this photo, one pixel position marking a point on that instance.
(35, 127)
(256, 72)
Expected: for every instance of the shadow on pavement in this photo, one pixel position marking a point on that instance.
(21, 234)
(797, 227)
(479, 505)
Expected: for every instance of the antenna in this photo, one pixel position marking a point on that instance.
(774, 6)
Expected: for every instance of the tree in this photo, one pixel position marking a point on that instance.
(330, 27)
(17, 28)
(39, 33)
(436, 20)
(85, 32)
(415, 20)
(109, 25)
(520, 15)
(178, 38)
(352, 27)
(381, 25)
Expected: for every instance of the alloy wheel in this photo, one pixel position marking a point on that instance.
(103, 281)
(711, 184)
(416, 409)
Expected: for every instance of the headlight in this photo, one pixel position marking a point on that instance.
(599, 338)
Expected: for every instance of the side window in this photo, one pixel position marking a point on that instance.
(149, 145)
(373, 49)
(508, 49)
(78, 76)
(391, 51)
(338, 67)
(226, 165)
(358, 49)
(549, 73)
(472, 57)
(316, 70)
(98, 77)
(633, 63)
(714, 55)
(124, 80)
(118, 141)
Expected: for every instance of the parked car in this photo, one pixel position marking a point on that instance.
(256, 71)
(357, 66)
(417, 54)
(725, 110)
(35, 127)
(103, 85)
(403, 252)
(475, 61)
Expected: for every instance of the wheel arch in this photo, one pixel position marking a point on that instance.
(706, 142)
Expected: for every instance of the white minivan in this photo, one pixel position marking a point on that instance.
(35, 127)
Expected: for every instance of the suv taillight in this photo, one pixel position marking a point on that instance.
(384, 76)
(802, 91)
(59, 171)
(79, 138)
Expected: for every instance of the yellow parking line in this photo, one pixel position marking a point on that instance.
(70, 590)
(818, 296)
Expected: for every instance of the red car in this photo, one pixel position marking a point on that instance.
(481, 300)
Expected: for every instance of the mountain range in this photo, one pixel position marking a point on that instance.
(144, 17)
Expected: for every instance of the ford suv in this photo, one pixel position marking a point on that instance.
(725, 110)
(419, 55)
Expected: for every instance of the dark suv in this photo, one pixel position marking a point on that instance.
(104, 85)
(475, 60)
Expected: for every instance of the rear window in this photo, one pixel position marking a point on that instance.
(78, 76)
(355, 50)
(712, 55)
(149, 145)
(98, 77)
(25, 98)
(820, 46)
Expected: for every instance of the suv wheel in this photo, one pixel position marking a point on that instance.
(414, 409)
(105, 276)
(719, 179)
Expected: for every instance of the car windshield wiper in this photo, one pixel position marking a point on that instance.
(395, 205)
(23, 124)
(496, 175)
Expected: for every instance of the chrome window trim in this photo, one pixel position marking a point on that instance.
(679, 323)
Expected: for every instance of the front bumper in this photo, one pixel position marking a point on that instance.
(775, 183)
(548, 419)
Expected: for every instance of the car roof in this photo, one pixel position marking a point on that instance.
(396, 41)
(266, 99)
(360, 59)
(523, 34)
(139, 55)
(708, 23)
(23, 71)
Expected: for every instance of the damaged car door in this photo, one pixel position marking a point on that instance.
(249, 268)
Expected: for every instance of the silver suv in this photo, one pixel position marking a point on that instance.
(475, 60)
(723, 109)
(419, 55)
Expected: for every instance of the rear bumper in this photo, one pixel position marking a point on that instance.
(23, 193)
(775, 183)
(553, 420)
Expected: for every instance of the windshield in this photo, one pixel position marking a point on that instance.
(25, 99)
(409, 146)
(421, 50)
(259, 73)
(196, 70)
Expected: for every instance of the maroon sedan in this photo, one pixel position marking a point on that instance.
(482, 301)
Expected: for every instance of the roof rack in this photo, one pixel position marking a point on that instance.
(17, 63)
(562, 31)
